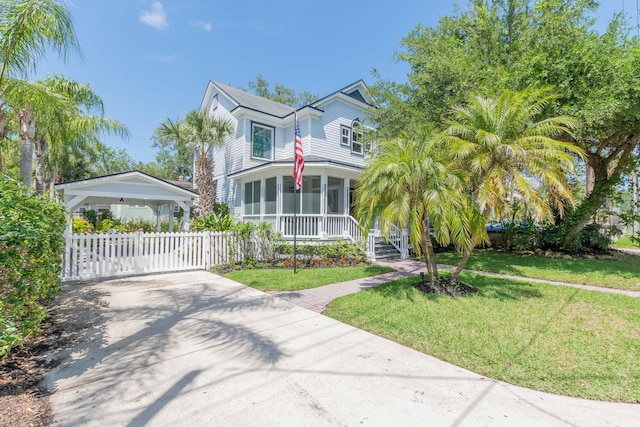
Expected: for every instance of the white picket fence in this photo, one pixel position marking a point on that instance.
(91, 256)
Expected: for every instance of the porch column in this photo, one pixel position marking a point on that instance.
(346, 196)
(279, 201)
(155, 209)
(263, 189)
(322, 228)
(171, 207)
(345, 207)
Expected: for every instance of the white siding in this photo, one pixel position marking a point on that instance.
(321, 137)
(326, 133)
(227, 159)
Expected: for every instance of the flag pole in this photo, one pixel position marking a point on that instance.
(295, 196)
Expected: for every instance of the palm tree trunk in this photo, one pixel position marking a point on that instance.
(27, 130)
(204, 181)
(429, 255)
(41, 147)
(3, 128)
(463, 261)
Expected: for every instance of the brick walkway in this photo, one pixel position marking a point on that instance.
(317, 299)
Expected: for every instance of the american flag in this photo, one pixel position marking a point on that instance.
(298, 165)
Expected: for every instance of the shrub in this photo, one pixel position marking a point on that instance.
(213, 222)
(91, 216)
(590, 239)
(81, 226)
(31, 248)
(107, 224)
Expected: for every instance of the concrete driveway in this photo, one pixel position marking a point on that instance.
(196, 349)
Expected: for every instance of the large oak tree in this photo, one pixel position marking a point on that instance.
(515, 44)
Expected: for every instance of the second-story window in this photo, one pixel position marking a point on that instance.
(357, 131)
(345, 135)
(262, 141)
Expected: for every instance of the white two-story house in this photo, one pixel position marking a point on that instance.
(253, 170)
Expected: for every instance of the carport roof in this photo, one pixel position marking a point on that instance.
(132, 188)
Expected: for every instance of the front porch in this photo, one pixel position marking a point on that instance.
(326, 228)
(314, 227)
(322, 206)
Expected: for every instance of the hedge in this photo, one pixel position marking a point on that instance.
(31, 249)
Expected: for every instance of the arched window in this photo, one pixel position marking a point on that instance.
(357, 131)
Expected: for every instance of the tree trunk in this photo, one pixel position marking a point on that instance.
(41, 147)
(606, 174)
(463, 261)
(3, 128)
(27, 130)
(429, 255)
(204, 181)
(576, 221)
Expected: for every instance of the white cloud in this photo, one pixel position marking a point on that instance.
(156, 17)
(204, 25)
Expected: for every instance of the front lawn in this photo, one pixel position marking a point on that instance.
(306, 278)
(550, 338)
(620, 273)
(625, 242)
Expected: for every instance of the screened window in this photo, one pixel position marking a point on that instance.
(308, 199)
(262, 141)
(252, 198)
(335, 196)
(310, 194)
(270, 196)
(288, 195)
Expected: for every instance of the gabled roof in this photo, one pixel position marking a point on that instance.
(254, 102)
(133, 187)
(123, 175)
(356, 91)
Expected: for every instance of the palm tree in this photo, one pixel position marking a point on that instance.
(28, 28)
(201, 132)
(507, 148)
(76, 129)
(406, 183)
(30, 100)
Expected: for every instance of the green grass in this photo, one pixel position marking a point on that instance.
(306, 278)
(621, 273)
(550, 338)
(625, 242)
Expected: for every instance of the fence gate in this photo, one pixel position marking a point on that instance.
(89, 256)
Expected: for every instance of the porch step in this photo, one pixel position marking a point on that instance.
(384, 250)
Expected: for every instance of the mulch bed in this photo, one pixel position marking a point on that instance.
(23, 400)
(445, 285)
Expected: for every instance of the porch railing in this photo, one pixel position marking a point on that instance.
(312, 226)
(399, 239)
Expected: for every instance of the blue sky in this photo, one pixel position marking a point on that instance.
(150, 60)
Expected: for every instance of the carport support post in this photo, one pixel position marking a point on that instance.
(171, 207)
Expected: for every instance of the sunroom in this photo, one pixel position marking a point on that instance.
(322, 206)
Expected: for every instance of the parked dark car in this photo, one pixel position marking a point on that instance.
(501, 226)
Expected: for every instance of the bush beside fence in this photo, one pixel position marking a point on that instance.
(31, 247)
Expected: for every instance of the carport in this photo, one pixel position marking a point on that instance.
(131, 188)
